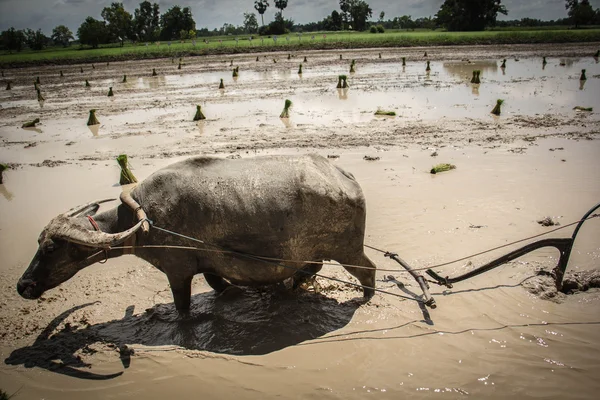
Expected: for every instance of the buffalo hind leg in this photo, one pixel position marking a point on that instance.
(305, 274)
(181, 287)
(366, 276)
(216, 282)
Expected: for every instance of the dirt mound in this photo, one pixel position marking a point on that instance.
(543, 284)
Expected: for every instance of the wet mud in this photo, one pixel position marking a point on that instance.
(112, 331)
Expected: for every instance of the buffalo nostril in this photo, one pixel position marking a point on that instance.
(25, 287)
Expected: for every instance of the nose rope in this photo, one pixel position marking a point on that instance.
(97, 228)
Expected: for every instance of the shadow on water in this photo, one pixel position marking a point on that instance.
(253, 322)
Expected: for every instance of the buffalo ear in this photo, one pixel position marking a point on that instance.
(90, 211)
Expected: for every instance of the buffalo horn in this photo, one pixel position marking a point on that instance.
(74, 212)
(89, 238)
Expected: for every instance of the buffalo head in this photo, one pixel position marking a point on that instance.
(67, 244)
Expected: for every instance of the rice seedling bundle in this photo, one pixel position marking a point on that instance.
(235, 73)
(300, 70)
(404, 61)
(544, 62)
(497, 110)
(61, 74)
(8, 86)
(475, 78)
(179, 67)
(31, 124)
(87, 84)
(289, 56)
(352, 70)
(442, 168)
(124, 78)
(503, 63)
(110, 92)
(199, 115)
(286, 109)
(3, 167)
(305, 60)
(583, 77)
(221, 85)
(39, 95)
(37, 80)
(154, 72)
(428, 68)
(595, 55)
(425, 55)
(342, 83)
(93, 67)
(81, 69)
(385, 113)
(256, 58)
(92, 120)
(340, 56)
(127, 176)
(379, 55)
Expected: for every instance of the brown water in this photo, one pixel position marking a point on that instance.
(489, 337)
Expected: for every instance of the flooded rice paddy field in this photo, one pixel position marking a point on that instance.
(489, 337)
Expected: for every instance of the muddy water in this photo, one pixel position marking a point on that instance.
(160, 108)
(488, 337)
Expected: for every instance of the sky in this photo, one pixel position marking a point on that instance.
(46, 14)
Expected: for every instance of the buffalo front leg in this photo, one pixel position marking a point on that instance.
(365, 275)
(181, 287)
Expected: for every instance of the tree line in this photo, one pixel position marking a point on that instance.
(147, 24)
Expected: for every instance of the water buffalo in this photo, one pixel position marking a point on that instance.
(285, 207)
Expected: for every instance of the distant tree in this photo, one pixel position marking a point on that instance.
(62, 35)
(336, 20)
(580, 12)
(355, 14)
(174, 21)
(92, 32)
(406, 22)
(250, 23)
(345, 6)
(147, 21)
(36, 40)
(360, 12)
(469, 15)
(261, 6)
(331, 22)
(119, 22)
(381, 16)
(13, 40)
(424, 23)
(281, 5)
(279, 26)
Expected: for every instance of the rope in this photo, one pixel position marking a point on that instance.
(278, 264)
(511, 243)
